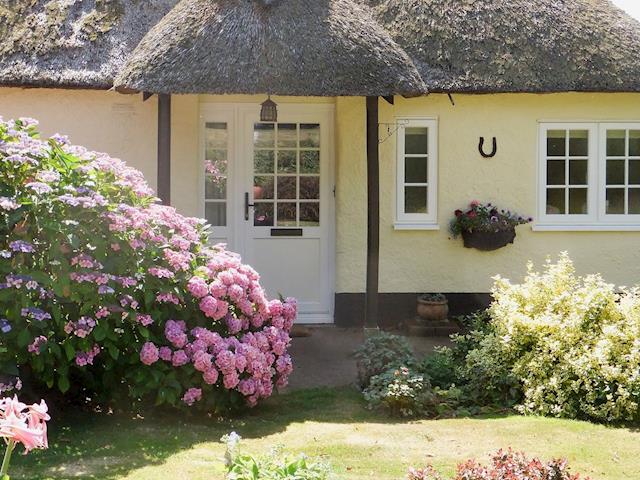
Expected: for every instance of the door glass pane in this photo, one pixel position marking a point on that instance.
(415, 170)
(615, 172)
(309, 135)
(287, 213)
(287, 135)
(309, 161)
(309, 214)
(216, 214)
(556, 143)
(287, 161)
(634, 201)
(415, 200)
(287, 188)
(616, 143)
(634, 143)
(556, 172)
(578, 172)
(263, 161)
(556, 201)
(264, 135)
(579, 143)
(416, 140)
(310, 188)
(263, 216)
(216, 135)
(263, 188)
(634, 172)
(215, 189)
(615, 201)
(578, 201)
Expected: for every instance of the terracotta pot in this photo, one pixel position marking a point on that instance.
(488, 241)
(433, 311)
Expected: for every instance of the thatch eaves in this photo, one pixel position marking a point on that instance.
(287, 47)
(483, 46)
(71, 43)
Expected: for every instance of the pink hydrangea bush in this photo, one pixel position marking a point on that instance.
(103, 291)
(505, 465)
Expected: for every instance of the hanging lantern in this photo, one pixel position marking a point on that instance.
(269, 111)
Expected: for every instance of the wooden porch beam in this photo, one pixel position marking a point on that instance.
(164, 148)
(373, 214)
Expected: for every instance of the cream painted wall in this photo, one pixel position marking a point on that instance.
(418, 261)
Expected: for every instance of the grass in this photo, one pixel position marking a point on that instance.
(332, 422)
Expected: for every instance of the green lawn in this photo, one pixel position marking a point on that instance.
(360, 444)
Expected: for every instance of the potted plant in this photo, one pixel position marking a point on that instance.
(485, 227)
(433, 307)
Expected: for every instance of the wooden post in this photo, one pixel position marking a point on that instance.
(373, 214)
(164, 148)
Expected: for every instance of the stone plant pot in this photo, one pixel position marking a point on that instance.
(488, 241)
(432, 311)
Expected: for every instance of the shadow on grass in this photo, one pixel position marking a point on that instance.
(101, 446)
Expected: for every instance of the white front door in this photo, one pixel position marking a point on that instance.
(269, 195)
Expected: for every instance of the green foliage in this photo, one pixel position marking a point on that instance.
(381, 353)
(273, 466)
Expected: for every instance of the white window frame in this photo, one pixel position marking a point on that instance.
(596, 219)
(417, 221)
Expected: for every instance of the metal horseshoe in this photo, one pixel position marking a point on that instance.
(494, 150)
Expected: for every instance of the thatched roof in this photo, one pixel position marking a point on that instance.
(516, 45)
(71, 43)
(456, 45)
(287, 47)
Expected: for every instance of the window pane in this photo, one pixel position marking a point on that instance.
(555, 201)
(578, 201)
(415, 200)
(416, 140)
(287, 188)
(615, 201)
(615, 172)
(634, 172)
(555, 172)
(310, 135)
(263, 188)
(216, 135)
(287, 214)
(287, 135)
(615, 143)
(415, 170)
(263, 161)
(578, 172)
(216, 156)
(634, 201)
(634, 143)
(579, 143)
(556, 146)
(309, 214)
(264, 135)
(215, 188)
(216, 214)
(263, 216)
(287, 161)
(310, 188)
(309, 161)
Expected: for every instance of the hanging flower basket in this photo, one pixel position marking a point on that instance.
(488, 241)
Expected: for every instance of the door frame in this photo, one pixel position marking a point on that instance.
(236, 114)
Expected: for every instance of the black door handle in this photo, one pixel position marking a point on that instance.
(247, 205)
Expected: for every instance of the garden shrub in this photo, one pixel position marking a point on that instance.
(105, 292)
(406, 392)
(380, 353)
(505, 465)
(572, 342)
(273, 466)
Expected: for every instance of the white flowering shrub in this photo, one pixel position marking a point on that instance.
(572, 342)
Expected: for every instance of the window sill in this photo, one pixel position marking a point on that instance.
(586, 228)
(416, 226)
